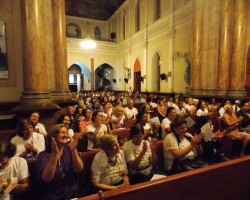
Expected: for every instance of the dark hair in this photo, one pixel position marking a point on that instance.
(7, 149)
(61, 118)
(139, 116)
(169, 109)
(243, 102)
(77, 109)
(200, 121)
(21, 125)
(85, 111)
(177, 122)
(199, 104)
(95, 113)
(143, 108)
(34, 111)
(136, 129)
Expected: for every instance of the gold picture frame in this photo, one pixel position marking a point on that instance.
(4, 73)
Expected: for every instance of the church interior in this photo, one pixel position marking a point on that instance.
(54, 51)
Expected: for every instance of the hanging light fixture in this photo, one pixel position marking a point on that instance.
(88, 43)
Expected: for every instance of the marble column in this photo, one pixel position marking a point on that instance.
(35, 95)
(60, 52)
(196, 69)
(226, 26)
(237, 72)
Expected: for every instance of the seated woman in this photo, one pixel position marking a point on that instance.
(147, 109)
(64, 119)
(180, 145)
(96, 130)
(202, 109)
(14, 173)
(109, 170)
(233, 129)
(161, 110)
(212, 140)
(87, 113)
(38, 127)
(140, 157)
(118, 118)
(59, 166)
(150, 132)
(28, 143)
(107, 114)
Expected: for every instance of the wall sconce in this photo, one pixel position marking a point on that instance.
(141, 78)
(114, 80)
(163, 76)
(126, 80)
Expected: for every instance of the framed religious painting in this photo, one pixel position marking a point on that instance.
(3, 52)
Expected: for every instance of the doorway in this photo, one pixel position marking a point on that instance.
(137, 75)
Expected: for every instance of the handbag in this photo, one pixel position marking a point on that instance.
(183, 165)
(191, 164)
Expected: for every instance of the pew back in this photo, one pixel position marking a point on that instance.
(7, 134)
(228, 180)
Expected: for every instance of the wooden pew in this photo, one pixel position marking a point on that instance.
(87, 158)
(130, 123)
(224, 181)
(122, 133)
(7, 134)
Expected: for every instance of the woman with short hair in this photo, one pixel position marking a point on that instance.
(141, 158)
(109, 170)
(38, 127)
(28, 143)
(180, 145)
(59, 166)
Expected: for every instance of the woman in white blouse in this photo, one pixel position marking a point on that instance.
(28, 143)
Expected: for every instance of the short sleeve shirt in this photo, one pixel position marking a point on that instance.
(170, 142)
(104, 172)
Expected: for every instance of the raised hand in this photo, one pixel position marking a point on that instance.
(29, 146)
(195, 140)
(74, 141)
(153, 144)
(54, 146)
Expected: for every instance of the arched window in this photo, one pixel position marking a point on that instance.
(137, 16)
(123, 25)
(98, 34)
(73, 30)
(158, 9)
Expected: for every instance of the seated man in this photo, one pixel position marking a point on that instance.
(131, 111)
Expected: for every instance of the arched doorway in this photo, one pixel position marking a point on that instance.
(137, 76)
(75, 78)
(79, 77)
(104, 76)
(156, 74)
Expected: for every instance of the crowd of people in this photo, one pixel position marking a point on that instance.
(89, 125)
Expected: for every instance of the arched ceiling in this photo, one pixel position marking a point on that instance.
(92, 9)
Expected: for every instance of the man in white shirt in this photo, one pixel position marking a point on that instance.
(130, 111)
